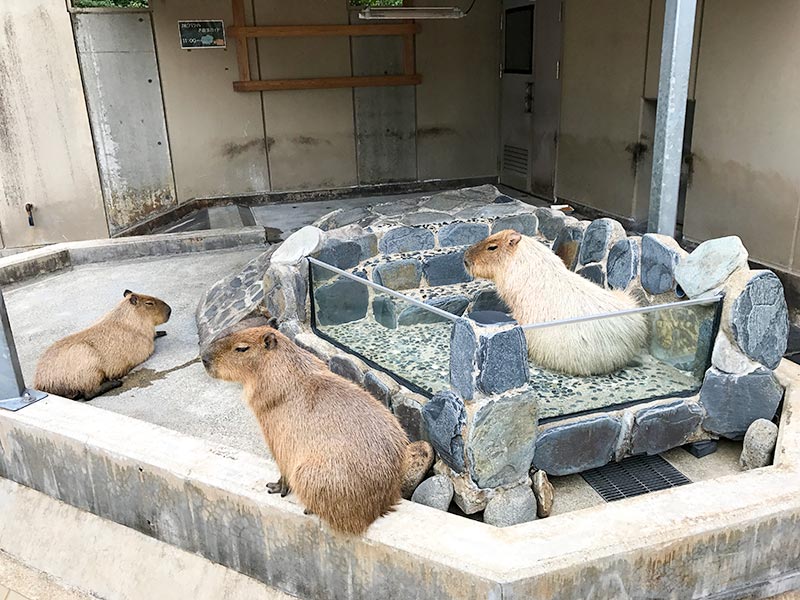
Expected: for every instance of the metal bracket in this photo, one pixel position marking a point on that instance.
(28, 397)
(13, 393)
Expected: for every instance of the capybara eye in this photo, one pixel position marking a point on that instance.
(242, 348)
(150, 303)
(492, 248)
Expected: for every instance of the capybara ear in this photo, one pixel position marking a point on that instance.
(514, 238)
(126, 293)
(133, 298)
(270, 340)
(273, 322)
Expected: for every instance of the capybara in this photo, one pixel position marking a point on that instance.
(538, 288)
(339, 449)
(91, 362)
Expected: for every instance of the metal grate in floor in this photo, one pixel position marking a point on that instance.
(634, 476)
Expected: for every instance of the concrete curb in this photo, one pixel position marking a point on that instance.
(721, 538)
(57, 257)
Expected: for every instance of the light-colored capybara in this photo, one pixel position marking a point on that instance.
(339, 449)
(538, 288)
(91, 362)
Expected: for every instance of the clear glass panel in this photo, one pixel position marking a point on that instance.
(519, 41)
(671, 363)
(391, 333)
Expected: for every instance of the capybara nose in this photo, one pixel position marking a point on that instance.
(206, 362)
(169, 312)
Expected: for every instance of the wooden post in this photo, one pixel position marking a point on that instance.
(242, 55)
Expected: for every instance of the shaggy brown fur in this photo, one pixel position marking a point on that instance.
(418, 461)
(338, 448)
(89, 363)
(539, 288)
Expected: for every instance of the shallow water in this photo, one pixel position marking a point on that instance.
(420, 354)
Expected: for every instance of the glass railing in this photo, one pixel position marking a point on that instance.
(397, 334)
(578, 365)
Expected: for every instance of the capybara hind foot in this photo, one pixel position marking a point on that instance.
(106, 386)
(281, 486)
(160, 334)
(307, 511)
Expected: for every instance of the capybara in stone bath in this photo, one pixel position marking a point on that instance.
(91, 362)
(538, 288)
(339, 449)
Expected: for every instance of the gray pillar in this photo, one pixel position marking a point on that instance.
(13, 394)
(673, 89)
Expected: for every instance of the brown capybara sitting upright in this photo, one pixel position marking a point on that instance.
(89, 363)
(338, 448)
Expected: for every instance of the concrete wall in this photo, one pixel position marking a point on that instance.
(747, 126)
(46, 154)
(123, 94)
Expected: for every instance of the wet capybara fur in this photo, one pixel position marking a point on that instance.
(339, 449)
(91, 362)
(539, 288)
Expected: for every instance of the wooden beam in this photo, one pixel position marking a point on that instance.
(242, 54)
(323, 30)
(409, 55)
(322, 83)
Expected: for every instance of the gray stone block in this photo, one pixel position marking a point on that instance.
(598, 239)
(660, 428)
(462, 234)
(577, 446)
(406, 239)
(408, 410)
(710, 264)
(660, 255)
(623, 263)
(463, 358)
(436, 492)
(567, 244)
(551, 222)
(414, 315)
(526, 224)
(342, 301)
(398, 274)
(733, 402)
(489, 300)
(343, 254)
(501, 437)
(445, 417)
(347, 368)
(595, 273)
(511, 507)
(384, 309)
(759, 444)
(502, 360)
(285, 291)
(760, 319)
(426, 217)
(377, 388)
(445, 269)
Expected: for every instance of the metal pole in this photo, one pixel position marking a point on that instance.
(13, 394)
(673, 91)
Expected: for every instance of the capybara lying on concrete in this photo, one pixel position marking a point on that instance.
(538, 288)
(339, 449)
(91, 362)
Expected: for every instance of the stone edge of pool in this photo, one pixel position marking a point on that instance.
(718, 538)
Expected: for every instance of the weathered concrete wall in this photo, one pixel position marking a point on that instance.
(458, 101)
(46, 153)
(216, 134)
(310, 133)
(605, 51)
(746, 179)
(123, 94)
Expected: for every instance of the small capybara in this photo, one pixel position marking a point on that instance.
(539, 288)
(339, 449)
(91, 362)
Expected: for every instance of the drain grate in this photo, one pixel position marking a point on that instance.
(633, 477)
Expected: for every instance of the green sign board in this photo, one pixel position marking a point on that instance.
(202, 34)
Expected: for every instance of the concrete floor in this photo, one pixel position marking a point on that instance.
(171, 389)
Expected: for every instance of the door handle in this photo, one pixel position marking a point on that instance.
(29, 210)
(528, 97)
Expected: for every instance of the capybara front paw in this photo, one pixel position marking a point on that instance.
(160, 334)
(307, 511)
(278, 486)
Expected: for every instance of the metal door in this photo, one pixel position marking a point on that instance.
(547, 97)
(516, 93)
